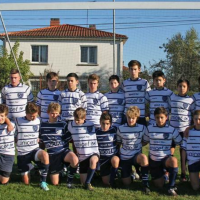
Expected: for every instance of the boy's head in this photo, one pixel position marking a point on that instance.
(3, 113)
(132, 114)
(53, 110)
(183, 86)
(14, 77)
(196, 118)
(158, 79)
(105, 121)
(79, 116)
(52, 80)
(134, 68)
(31, 111)
(93, 82)
(114, 82)
(72, 81)
(161, 116)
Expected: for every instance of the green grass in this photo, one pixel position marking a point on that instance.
(16, 190)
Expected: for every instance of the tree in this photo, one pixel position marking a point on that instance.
(182, 58)
(7, 63)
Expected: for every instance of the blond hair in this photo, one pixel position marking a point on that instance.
(133, 111)
(54, 107)
(80, 113)
(93, 77)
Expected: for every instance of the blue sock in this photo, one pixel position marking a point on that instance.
(172, 176)
(71, 173)
(145, 176)
(43, 172)
(113, 175)
(90, 174)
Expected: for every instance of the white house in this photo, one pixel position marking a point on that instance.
(68, 48)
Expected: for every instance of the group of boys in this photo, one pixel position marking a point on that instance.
(107, 130)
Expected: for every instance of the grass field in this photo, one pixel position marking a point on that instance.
(16, 190)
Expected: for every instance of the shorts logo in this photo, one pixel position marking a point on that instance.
(120, 101)
(20, 95)
(55, 97)
(89, 129)
(35, 128)
(165, 135)
(139, 87)
(95, 101)
(164, 98)
(75, 101)
(185, 105)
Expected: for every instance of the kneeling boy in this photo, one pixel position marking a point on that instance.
(28, 148)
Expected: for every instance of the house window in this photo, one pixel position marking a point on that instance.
(40, 54)
(89, 55)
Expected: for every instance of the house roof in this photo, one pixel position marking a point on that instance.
(64, 31)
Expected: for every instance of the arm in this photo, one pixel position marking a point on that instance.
(9, 125)
(184, 157)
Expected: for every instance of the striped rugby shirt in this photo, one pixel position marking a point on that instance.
(44, 98)
(160, 140)
(70, 101)
(27, 135)
(135, 91)
(196, 98)
(96, 104)
(84, 138)
(131, 139)
(116, 103)
(1, 99)
(16, 99)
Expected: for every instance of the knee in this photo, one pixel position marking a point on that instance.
(45, 157)
(144, 160)
(93, 161)
(174, 162)
(115, 162)
(74, 161)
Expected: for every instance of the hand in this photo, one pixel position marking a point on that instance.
(10, 128)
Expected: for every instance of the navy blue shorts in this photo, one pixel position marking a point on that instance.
(56, 161)
(126, 166)
(195, 167)
(6, 164)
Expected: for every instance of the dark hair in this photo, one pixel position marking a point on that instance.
(114, 77)
(14, 71)
(73, 75)
(79, 113)
(31, 108)
(51, 75)
(106, 116)
(196, 112)
(183, 81)
(157, 74)
(160, 110)
(133, 63)
(4, 109)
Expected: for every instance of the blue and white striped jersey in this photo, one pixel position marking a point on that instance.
(131, 139)
(16, 99)
(192, 146)
(107, 142)
(157, 98)
(96, 104)
(116, 103)
(135, 91)
(70, 101)
(44, 98)
(27, 135)
(1, 99)
(55, 136)
(196, 98)
(84, 138)
(7, 144)
(181, 111)
(160, 140)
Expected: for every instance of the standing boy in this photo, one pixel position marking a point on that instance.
(116, 100)
(55, 137)
(28, 148)
(46, 96)
(130, 136)
(135, 89)
(85, 142)
(97, 103)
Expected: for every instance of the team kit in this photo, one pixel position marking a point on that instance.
(107, 131)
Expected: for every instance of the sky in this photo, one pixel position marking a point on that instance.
(146, 30)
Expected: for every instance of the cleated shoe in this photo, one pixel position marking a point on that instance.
(44, 186)
(172, 192)
(89, 187)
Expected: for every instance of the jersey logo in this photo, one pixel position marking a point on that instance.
(185, 105)
(110, 138)
(139, 87)
(165, 135)
(75, 101)
(120, 101)
(89, 129)
(20, 95)
(164, 98)
(55, 97)
(95, 101)
(35, 128)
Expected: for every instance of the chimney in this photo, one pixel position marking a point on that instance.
(92, 26)
(55, 22)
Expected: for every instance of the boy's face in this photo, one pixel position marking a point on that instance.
(114, 84)
(131, 121)
(160, 119)
(2, 118)
(93, 85)
(72, 83)
(31, 117)
(52, 83)
(14, 79)
(159, 82)
(134, 71)
(53, 114)
(79, 121)
(182, 88)
(196, 120)
(105, 125)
